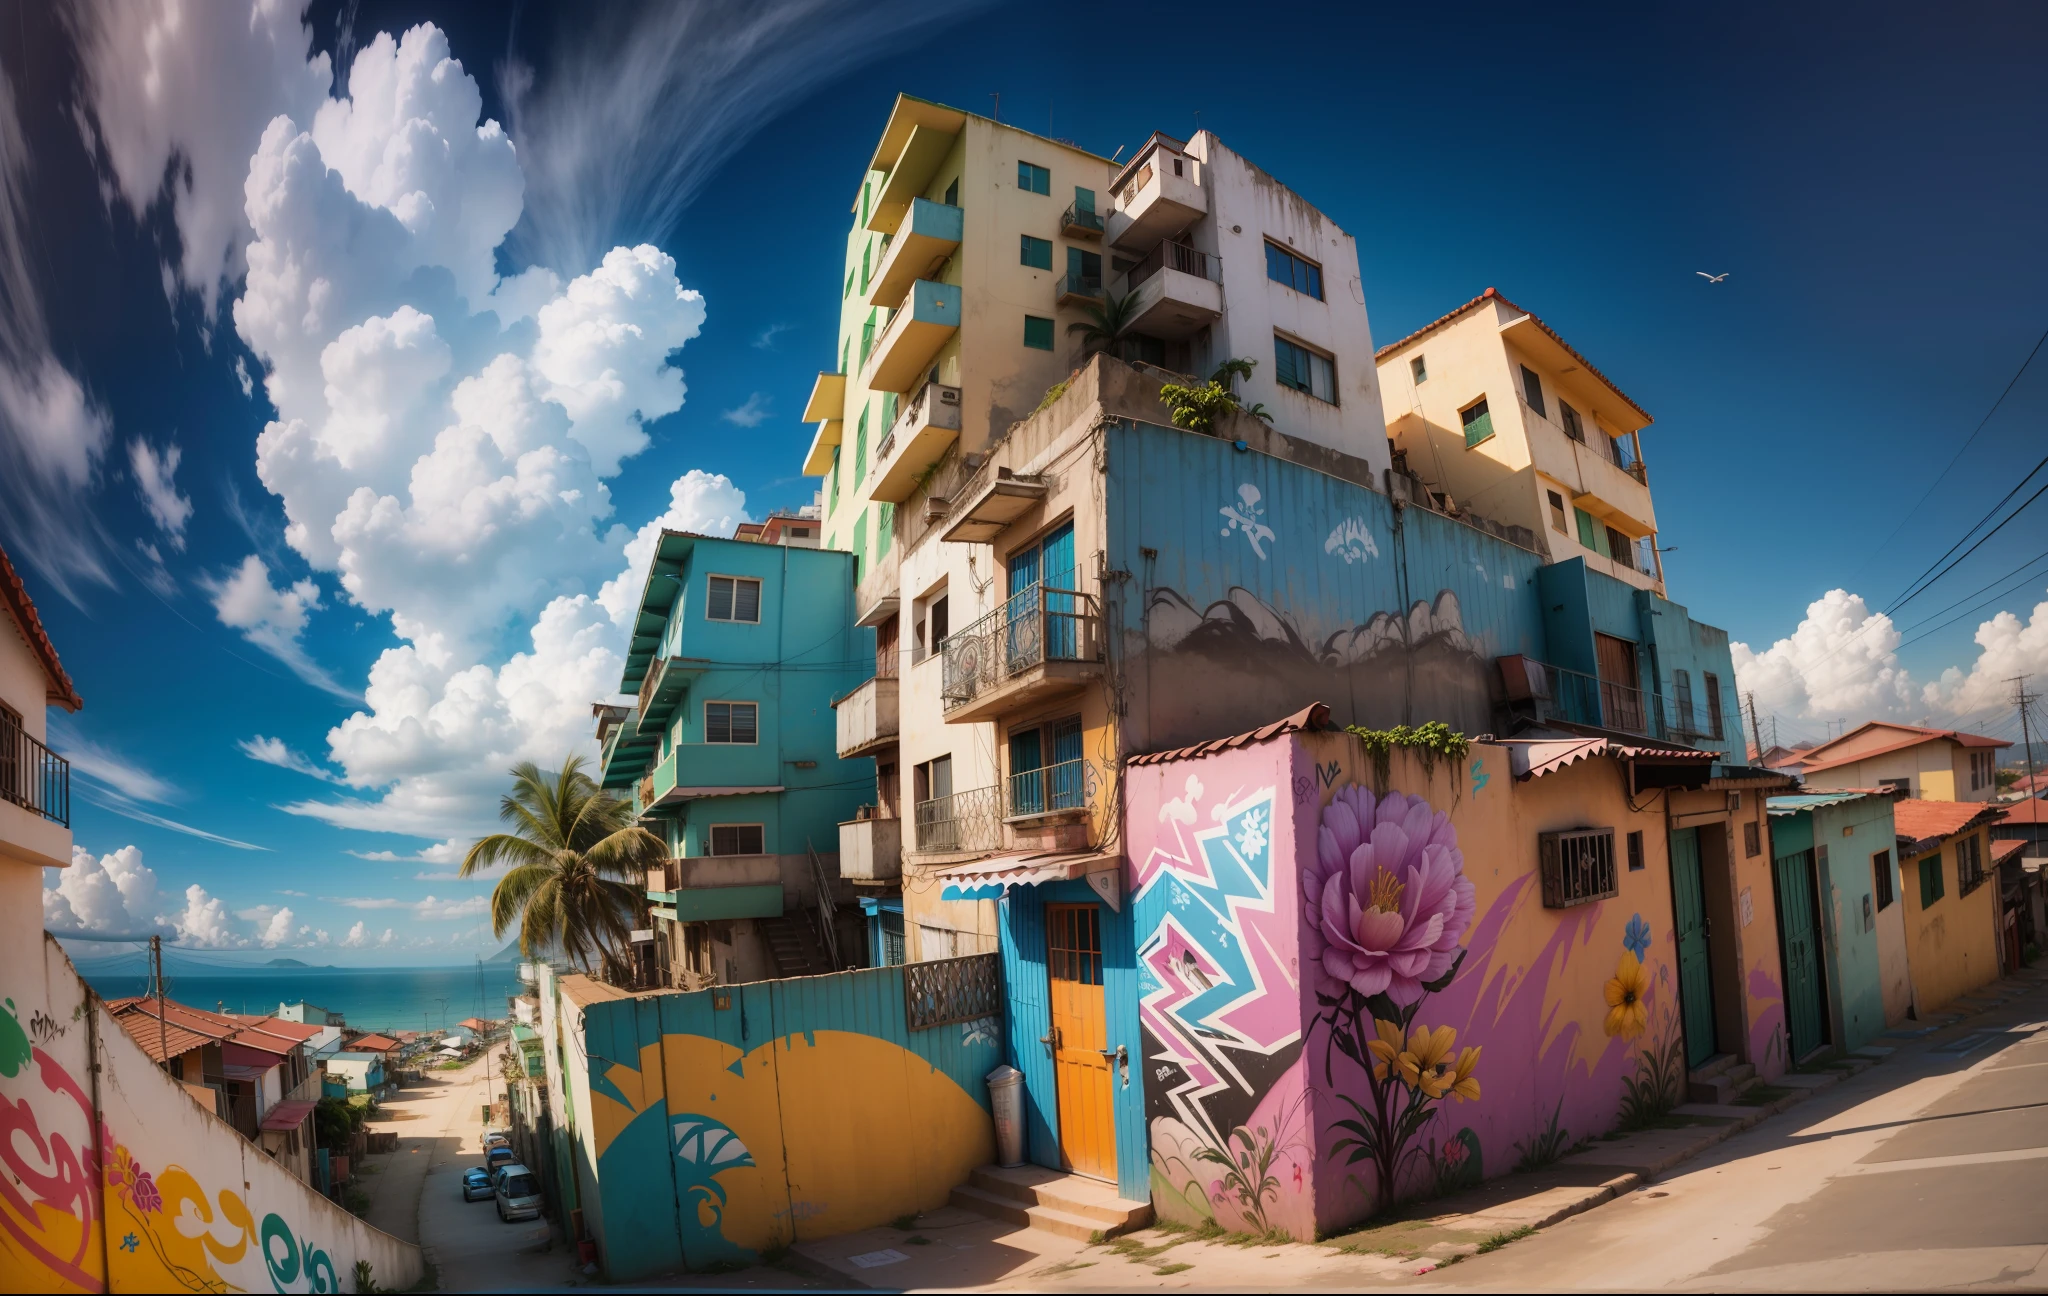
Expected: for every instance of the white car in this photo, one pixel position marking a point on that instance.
(518, 1193)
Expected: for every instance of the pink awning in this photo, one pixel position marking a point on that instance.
(1535, 759)
(288, 1115)
(984, 879)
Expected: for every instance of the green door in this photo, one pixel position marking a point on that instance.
(1695, 979)
(1799, 940)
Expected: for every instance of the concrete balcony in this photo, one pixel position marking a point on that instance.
(1161, 198)
(871, 850)
(1077, 290)
(818, 459)
(924, 427)
(703, 888)
(867, 718)
(1079, 222)
(696, 770)
(1178, 292)
(928, 235)
(827, 399)
(1041, 645)
(929, 318)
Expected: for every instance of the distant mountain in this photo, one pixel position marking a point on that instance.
(285, 963)
(510, 954)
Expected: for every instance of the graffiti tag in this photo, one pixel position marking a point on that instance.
(1330, 772)
(1479, 776)
(44, 1027)
(1352, 541)
(1244, 517)
(1304, 789)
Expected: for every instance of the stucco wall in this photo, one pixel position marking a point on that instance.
(1239, 1004)
(120, 1181)
(1951, 945)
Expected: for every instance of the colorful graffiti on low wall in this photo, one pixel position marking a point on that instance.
(148, 1190)
(1354, 994)
(730, 1121)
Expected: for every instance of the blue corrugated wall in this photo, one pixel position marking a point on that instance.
(1025, 985)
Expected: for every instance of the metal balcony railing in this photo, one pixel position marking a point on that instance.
(961, 821)
(1172, 256)
(1077, 217)
(1684, 711)
(1079, 285)
(31, 775)
(1035, 625)
(919, 407)
(1049, 788)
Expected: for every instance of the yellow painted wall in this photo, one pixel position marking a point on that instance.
(1951, 945)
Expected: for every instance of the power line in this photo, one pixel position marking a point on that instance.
(1929, 583)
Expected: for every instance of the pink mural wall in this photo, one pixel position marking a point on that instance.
(1353, 993)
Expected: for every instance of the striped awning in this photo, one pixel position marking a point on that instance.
(1530, 760)
(987, 879)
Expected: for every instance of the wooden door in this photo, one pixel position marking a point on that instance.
(1621, 698)
(1695, 975)
(1083, 1064)
(1799, 942)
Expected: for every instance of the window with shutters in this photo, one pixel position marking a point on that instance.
(860, 448)
(1714, 721)
(1478, 423)
(1577, 866)
(1681, 695)
(1036, 253)
(1881, 878)
(1930, 880)
(1573, 428)
(1590, 532)
(1418, 370)
(1038, 333)
(1969, 864)
(733, 598)
(1033, 179)
(1752, 840)
(1532, 391)
(737, 839)
(1636, 863)
(732, 722)
(1557, 522)
(1304, 370)
(1619, 548)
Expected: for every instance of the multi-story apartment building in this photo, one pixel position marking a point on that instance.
(35, 782)
(1500, 419)
(727, 751)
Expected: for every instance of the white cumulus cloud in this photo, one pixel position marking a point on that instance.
(109, 897)
(1841, 661)
(271, 617)
(205, 922)
(2007, 647)
(357, 937)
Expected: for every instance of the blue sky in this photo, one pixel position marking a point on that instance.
(1869, 178)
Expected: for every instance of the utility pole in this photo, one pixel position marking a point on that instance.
(156, 962)
(2023, 700)
(1756, 728)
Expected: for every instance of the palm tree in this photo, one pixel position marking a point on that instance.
(1106, 324)
(578, 866)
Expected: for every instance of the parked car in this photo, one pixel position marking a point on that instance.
(496, 1138)
(499, 1156)
(476, 1184)
(518, 1193)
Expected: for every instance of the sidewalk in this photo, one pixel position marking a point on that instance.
(956, 1249)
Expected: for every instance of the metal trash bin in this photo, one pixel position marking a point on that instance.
(1006, 1095)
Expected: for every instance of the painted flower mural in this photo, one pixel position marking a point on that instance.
(1388, 899)
(1628, 1009)
(1636, 938)
(1387, 902)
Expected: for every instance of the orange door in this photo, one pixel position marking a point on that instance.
(1081, 1067)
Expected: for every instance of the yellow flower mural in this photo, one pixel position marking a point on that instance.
(1627, 1014)
(1386, 1050)
(1427, 1065)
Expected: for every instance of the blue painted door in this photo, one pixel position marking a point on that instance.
(1695, 975)
(1020, 614)
(1027, 773)
(1056, 572)
(1065, 784)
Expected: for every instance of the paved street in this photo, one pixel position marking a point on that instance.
(1929, 1171)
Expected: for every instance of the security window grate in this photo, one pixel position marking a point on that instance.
(1969, 864)
(1578, 866)
(952, 990)
(1881, 878)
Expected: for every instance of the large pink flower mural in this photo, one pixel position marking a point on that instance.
(1387, 898)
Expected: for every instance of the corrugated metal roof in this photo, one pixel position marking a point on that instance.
(288, 1115)
(1313, 718)
(1793, 804)
(1532, 759)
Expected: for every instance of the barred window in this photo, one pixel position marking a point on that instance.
(1969, 864)
(1578, 866)
(1752, 843)
(736, 839)
(1881, 878)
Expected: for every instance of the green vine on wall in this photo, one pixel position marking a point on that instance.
(1432, 743)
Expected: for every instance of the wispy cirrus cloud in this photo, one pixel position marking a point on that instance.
(273, 618)
(274, 751)
(751, 414)
(765, 340)
(430, 909)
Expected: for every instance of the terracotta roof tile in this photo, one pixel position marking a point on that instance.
(1313, 718)
(1816, 758)
(2001, 851)
(2025, 812)
(15, 595)
(371, 1044)
(1493, 294)
(1927, 822)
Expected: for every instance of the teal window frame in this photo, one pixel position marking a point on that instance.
(1084, 199)
(1038, 333)
(1032, 178)
(1034, 252)
(1931, 888)
(1294, 271)
(1478, 422)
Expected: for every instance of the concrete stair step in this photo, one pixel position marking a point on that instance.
(1717, 1080)
(1074, 1194)
(1008, 1209)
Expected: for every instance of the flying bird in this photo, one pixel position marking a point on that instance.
(1713, 278)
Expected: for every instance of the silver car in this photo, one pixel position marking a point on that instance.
(518, 1193)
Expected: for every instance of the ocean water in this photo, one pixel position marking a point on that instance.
(426, 998)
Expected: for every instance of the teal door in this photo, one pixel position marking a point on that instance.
(1695, 977)
(1799, 943)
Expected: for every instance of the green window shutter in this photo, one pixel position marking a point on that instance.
(1589, 535)
(860, 545)
(885, 529)
(1036, 253)
(867, 251)
(1084, 199)
(1478, 420)
(846, 347)
(1930, 879)
(849, 283)
(1033, 179)
(888, 411)
(864, 190)
(1037, 333)
(860, 449)
(835, 478)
